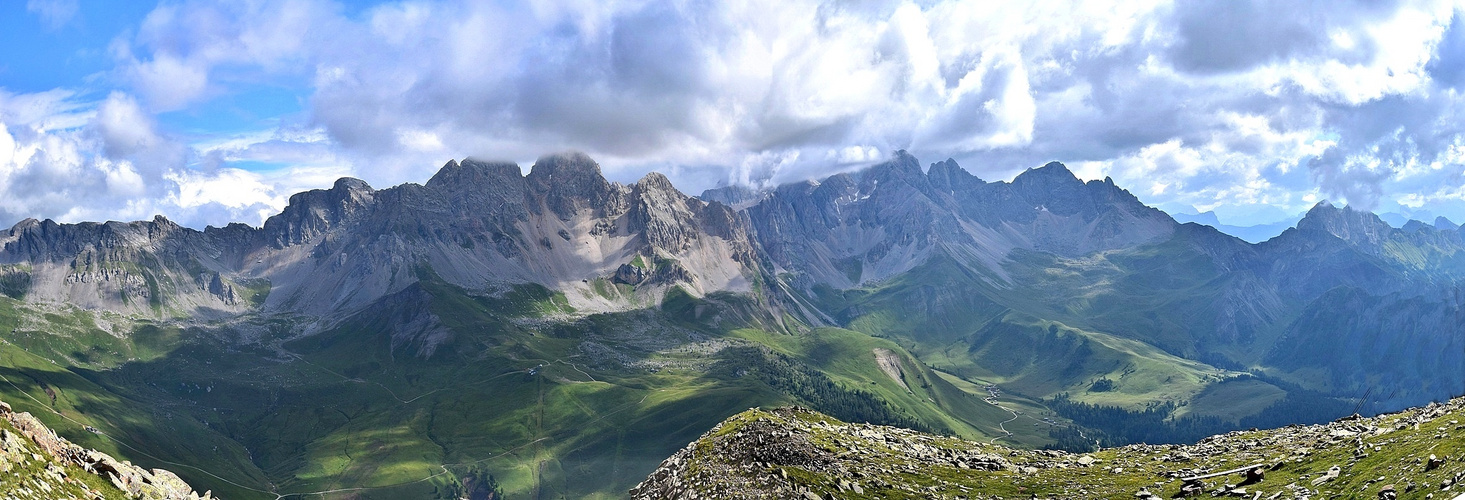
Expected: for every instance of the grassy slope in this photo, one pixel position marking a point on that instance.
(1053, 328)
(525, 389)
(139, 424)
(20, 477)
(516, 389)
(849, 357)
(1392, 450)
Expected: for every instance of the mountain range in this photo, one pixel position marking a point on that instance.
(556, 334)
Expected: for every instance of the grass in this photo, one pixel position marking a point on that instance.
(555, 402)
(1393, 451)
(1233, 399)
(511, 389)
(848, 357)
(21, 475)
(1057, 325)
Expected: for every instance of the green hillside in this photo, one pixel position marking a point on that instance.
(516, 386)
(797, 453)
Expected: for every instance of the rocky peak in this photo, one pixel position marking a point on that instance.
(1354, 226)
(1052, 177)
(23, 225)
(664, 215)
(569, 181)
(1051, 172)
(161, 227)
(947, 176)
(903, 168)
(1445, 224)
(479, 189)
(352, 186)
(474, 174)
(654, 181)
(1052, 187)
(313, 212)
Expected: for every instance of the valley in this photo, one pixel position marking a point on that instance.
(557, 335)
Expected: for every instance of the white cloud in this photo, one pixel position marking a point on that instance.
(72, 160)
(124, 127)
(1200, 104)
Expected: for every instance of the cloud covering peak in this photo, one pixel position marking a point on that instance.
(1214, 106)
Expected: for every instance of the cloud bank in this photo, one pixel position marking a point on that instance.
(1224, 106)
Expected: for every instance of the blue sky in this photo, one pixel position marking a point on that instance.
(210, 112)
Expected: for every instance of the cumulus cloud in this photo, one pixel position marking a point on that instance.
(65, 158)
(182, 53)
(635, 83)
(1204, 105)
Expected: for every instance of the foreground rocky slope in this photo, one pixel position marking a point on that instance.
(35, 463)
(797, 453)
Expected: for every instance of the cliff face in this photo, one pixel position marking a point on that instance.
(878, 223)
(477, 225)
(36, 463)
(797, 453)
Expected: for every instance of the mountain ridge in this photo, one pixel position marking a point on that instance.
(598, 310)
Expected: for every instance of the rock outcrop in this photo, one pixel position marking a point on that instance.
(478, 225)
(797, 453)
(36, 463)
(852, 228)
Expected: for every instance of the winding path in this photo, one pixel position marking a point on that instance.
(991, 399)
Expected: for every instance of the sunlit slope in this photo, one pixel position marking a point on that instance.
(797, 453)
(515, 385)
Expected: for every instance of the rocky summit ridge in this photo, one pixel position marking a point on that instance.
(793, 452)
(478, 225)
(895, 294)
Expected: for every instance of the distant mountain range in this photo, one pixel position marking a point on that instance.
(1256, 233)
(561, 334)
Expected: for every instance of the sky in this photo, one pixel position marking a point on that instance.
(216, 112)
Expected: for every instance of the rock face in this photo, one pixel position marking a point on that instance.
(1045, 244)
(797, 453)
(36, 463)
(475, 224)
(852, 228)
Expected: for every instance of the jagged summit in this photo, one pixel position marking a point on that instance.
(1445, 224)
(656, 181)
(351, 185)
(569, 182)
(1051, 172)
(571, 168)
(947, 176)
(902, 167)
(1355, 226)
(477, 224)
(473, 174)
